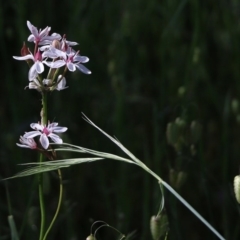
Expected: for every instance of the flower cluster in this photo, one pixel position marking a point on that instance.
(45, 132)
(55, 52)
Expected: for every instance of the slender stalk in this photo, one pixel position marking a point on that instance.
(183, 201)
(58, 206)
(40, 179)
(41, 200)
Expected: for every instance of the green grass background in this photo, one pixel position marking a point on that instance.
(141, 53)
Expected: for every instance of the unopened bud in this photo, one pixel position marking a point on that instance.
(56, 44)
(24, 50)
(236, 186)
(91, 237)
(159, 226)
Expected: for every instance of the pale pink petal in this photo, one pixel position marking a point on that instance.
(31, 38)
(59, 129)
(36, 126)
(62, 84)
(26, 57)
(57, 64)
(71, 67)
(83, 69)
(32, 72)
(29, 25)
(81, 59)
(44, 32)
(44, 141)
(39, 67)
(32, 29)
(51, 125)
(31, 134)
(55, 138)
(22, 145)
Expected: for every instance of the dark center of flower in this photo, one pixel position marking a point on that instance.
(45, 130)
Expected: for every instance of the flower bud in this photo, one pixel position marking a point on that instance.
(91, 237)
(236, 186)
(158, 226)
(56, 44)
(24, 50)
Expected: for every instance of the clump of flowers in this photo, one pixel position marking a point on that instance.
(55, 53)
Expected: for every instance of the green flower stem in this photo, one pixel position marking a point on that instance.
(41, 200)
(58, 206)
(41, 158)
(44, 109)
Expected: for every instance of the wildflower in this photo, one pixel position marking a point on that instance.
(37, 67)
(45, 132)
(63, 45)
(72, 60)
(27, 143)
(41, 37)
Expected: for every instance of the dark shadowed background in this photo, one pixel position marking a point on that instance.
(152, 62)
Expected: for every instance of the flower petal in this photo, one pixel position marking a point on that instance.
(31, 134)
(22, 145)
(44, 141)
(62, 84)
(32, 72)
(57, 64)
(55, 138)
(36, 126)
(59, 129)
(71, 67)
(44, 32)
(32, 29)
(26, 57)
(81, 59)
(83, 68)
(52, 125)
(39, 67)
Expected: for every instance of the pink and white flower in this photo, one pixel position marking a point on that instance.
(27, 143)
(72, 60)
(37, 67)
(45, 132)
(41, 37)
